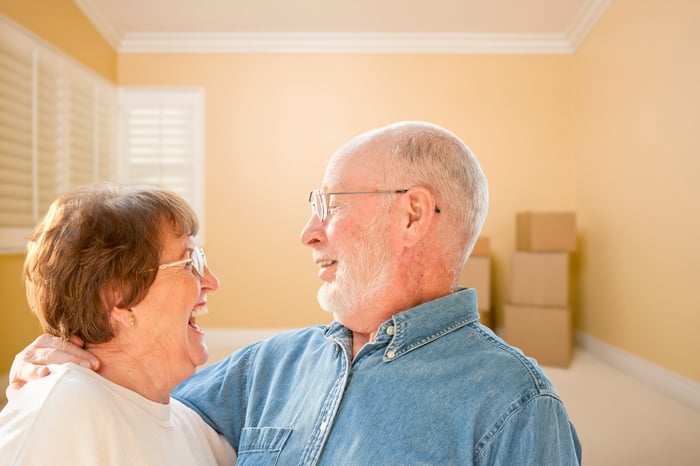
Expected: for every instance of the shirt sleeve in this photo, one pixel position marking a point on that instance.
(537, 432)
(218, 393)
(50, 423)
(200, 433)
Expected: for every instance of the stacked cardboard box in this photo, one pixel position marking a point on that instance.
(477, 274)
(538, 317)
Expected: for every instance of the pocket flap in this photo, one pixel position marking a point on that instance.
(263, 439)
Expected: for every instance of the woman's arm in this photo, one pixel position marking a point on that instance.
(31, 363)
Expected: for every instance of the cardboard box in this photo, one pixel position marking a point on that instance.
(476, 273)
(482, 247)
(543, 333)
(540, 279)
(545, 231)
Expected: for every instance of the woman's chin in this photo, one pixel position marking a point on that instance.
(198, 351)
(202, 356)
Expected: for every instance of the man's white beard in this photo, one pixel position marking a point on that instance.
(361, 277)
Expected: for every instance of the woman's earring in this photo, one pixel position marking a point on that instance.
(132, 321)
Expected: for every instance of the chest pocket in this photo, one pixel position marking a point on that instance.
(261, 446)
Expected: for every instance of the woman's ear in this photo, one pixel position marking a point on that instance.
(123, 317)
(419, 214)
(118, 315)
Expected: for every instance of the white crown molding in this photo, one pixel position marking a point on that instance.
(95, 12)
(343, 43)
(585, 20)
(425, 43)
(679, 388)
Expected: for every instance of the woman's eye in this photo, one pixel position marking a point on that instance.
(189, 264)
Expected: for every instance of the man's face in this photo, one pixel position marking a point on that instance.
(362, 269)
(353, 246)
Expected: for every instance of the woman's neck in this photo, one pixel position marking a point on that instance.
(134, 371)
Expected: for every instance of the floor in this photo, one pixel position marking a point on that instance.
(621, 421)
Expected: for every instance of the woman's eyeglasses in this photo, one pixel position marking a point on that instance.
(197, 260)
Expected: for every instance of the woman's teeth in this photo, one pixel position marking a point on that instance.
(201, 310)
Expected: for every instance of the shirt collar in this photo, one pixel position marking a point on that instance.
(415, 327)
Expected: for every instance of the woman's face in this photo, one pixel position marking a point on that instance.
(167, 315)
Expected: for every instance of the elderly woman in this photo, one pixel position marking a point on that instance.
(118, 268)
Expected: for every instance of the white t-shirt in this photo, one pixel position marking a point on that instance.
(77, 417)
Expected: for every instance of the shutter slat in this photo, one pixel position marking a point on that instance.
(66, 142)
(162, 140)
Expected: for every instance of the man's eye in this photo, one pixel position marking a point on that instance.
(189, 264)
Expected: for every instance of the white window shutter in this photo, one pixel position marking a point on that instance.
(50, 134)
(16, 133)
(55, 120)
(161, 141)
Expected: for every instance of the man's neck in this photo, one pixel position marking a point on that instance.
(359, 340)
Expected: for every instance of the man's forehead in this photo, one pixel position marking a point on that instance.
(351, 167)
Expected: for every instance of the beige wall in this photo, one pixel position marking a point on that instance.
(274, 120)
(637, 181)
(63, 24)
(605, 132)
(20, 325)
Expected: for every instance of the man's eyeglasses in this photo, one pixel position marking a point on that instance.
(319, 203)
(197, 261)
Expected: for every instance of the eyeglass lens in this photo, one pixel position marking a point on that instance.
(318, 204)
(199, 260)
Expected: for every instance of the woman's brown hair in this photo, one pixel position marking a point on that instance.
(99, 246)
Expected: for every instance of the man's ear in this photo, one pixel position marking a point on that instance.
(419, 214)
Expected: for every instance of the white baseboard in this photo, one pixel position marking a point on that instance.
(233, 338)
(221, 340)
(670, 383)
(679, 388)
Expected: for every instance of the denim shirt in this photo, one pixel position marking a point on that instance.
(434, 388)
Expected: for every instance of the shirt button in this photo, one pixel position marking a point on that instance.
(390, 330)
(391, 354)
(324, 424)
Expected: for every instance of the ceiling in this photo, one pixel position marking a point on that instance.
(410, 26)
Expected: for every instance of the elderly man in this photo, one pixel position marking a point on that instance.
(405, 375)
